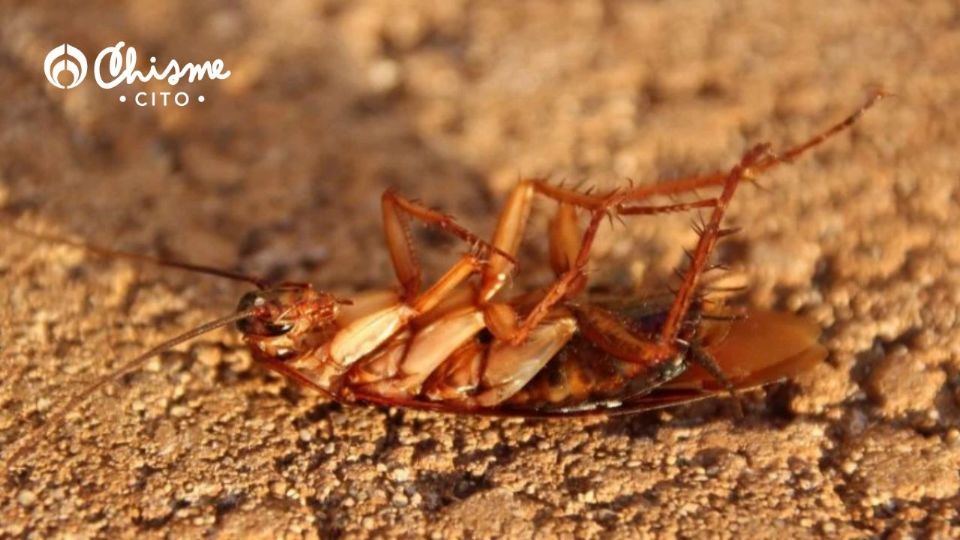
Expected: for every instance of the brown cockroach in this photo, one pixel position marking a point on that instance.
(463, 346)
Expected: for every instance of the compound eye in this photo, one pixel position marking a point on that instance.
(253, 326)
(251, 300)
(259, 326)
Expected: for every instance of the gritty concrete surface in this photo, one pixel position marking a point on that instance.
(279, 172)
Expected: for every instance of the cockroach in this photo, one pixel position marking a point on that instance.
(465, 346)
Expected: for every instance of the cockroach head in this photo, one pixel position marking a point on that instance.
(285, 318)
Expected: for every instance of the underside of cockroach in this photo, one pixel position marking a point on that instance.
(465, 346)
(450, 362)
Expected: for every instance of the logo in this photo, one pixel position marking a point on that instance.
(70, 60)
(116, 66)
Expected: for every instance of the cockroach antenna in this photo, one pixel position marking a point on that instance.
(56, 419)
(115, 254)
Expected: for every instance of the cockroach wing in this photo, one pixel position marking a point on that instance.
(762, 348)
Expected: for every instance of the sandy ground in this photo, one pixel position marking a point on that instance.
(279, 172)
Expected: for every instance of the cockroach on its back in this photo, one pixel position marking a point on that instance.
(464, 345)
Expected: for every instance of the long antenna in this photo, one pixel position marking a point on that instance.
(29, 441)
(112, 253)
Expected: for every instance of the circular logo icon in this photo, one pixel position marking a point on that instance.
(62, 58)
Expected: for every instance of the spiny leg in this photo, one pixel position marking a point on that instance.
(513, 223)
(396, 209)
(794, 152)
(717, 179)
(667, 208)
(708, 239)
(501, 319)
(569, 252)
(604, 331)
(564, 230)
(756, 161)
(573, 280)
(656, 353)
(704, 359)
(608, 332)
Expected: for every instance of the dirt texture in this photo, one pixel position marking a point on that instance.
(279, 172)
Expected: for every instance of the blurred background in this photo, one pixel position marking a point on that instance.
(279, 172)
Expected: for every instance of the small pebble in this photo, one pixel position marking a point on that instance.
(401, 475)
(43, 404)
(952, 436)
(27, 498)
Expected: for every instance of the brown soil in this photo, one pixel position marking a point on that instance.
(279, 172)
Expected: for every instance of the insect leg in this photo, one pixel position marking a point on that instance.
(573, 280)
(507, 237)
(717, 179)
(708, 239)
(501, 318)
(569, 283)
(396, 209)
(704, 359)
(503, 321)
(665, 209)
(565, 246)
(564, 239)
(609, 333)
(513, 223)
(460, 271)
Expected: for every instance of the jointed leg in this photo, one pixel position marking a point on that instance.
(564, 239)
(717, 179)
(501, 319)
(507, 236)
(573, 280)
(667, 208)
(757, 160)
(652, 359)
(457, 274)
(570, 268)
(513, 223)
(564, 230)
(702, 358)
(569, 252)
(708, 239)
(396, 209)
